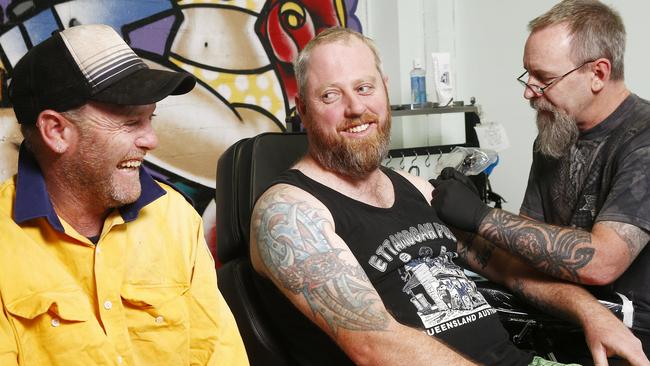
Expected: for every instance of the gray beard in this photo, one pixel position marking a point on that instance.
(557, 131)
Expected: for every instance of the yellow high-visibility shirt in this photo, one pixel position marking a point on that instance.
(145, 294)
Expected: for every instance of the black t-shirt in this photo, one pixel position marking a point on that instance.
(407, 253)
(604, 178)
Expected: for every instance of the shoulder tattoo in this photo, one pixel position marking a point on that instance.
(294, 247)
(635, 237)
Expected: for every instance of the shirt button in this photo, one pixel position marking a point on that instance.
(108, 305)
(98, 250)
(120, 360)
(55, 322)
(159, 319)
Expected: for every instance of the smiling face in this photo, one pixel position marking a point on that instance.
(111, 145)
(345, 108)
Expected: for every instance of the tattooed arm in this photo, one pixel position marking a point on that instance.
(604, 333)
(294, 244)
(596, 258)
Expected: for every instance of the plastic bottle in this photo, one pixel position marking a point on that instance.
(418, 83)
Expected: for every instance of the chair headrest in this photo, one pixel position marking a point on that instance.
(244, 172)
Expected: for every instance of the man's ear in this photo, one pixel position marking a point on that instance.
(602, 70)
(56, 131)
(384, 79)
(301, 108)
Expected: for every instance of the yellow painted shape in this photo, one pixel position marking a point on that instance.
(340, 10)
(295, 8)
(262, 90)
(253, 5)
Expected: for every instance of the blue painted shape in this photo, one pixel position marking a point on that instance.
(3, 6)
(13, 45)
(40, 26)
(352, 19)
(152, 37)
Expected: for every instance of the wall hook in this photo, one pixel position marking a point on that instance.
(427, 161)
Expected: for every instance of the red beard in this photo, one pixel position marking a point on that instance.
(354, 158)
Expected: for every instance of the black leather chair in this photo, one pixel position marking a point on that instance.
(243, 173)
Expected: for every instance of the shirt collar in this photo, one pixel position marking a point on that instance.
(612, 121)
(33, 201)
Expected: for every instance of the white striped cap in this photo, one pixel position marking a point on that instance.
(101, 65)
(83, 63)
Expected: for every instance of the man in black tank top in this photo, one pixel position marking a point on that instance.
(361, 256)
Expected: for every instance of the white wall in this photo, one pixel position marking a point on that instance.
(486, 38)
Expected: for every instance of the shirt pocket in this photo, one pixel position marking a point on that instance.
(158, 320)
(57, 327)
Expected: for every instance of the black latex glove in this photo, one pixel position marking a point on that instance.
(457, 205)
(451, 173)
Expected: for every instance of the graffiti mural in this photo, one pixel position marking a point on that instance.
(240, 51)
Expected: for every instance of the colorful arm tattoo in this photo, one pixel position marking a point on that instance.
(294, 246)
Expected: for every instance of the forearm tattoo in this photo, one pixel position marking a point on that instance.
(635, 238)
(519, 288)
(560, 252)
(293, 246)
(474, 248)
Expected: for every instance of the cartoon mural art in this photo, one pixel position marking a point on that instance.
(240, 51)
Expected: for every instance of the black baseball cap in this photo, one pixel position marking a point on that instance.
(87, 63)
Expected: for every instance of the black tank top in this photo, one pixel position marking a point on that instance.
(408, 255)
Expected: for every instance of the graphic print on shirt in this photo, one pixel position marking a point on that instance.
(577, 181)
(441, 292)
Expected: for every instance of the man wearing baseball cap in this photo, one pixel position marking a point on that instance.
(99, 263)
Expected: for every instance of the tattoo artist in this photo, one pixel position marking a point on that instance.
(585, 216)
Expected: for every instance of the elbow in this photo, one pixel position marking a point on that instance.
(601, 276)
(363, 354)
(369, 349)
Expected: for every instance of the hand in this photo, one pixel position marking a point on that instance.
(451, 173)
(608, 337)
(457, 205)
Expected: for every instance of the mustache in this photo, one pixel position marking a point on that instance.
(135, 155)
(541, 105)
(366, 117)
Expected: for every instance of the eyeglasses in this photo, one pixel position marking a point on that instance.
(540, 89)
